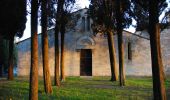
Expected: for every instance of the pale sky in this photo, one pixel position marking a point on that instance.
(81, 4)
(27, 33)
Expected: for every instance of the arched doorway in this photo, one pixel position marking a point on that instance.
(85, 45)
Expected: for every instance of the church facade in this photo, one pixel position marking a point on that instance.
(88, 55)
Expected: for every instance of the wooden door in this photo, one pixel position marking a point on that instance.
(86, 62)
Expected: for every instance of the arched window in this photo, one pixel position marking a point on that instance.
(88, 23)
(83, 23)
(129, 51)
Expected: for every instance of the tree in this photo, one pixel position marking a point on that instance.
(65, 12)
(62, 30)
(61, 17)
(143, 18)
(120, 42)
(140, 12)
(123, 20)
(102, 14)
(46, 71)
(12, 23)
(1, 59)
(10, 58)
(108, 6)
(4, 49)
(157, 66)
(60, 4)
(33, 90)
(106, 12)
(56, 74)
(112, 53)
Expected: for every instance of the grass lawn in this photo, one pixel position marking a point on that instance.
(76, 88)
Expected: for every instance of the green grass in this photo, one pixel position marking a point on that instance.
(76, 88)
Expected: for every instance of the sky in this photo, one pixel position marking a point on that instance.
(27, 33)
(81, 4)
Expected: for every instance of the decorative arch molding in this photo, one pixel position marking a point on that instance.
(84, 39)
(85, 42)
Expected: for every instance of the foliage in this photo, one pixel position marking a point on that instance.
(136, 9)
(165, 22)
(140, 12)
(103, 13)
(12, 18)
(4, 49)
(76, 88)
(68, 8)
(15, 53)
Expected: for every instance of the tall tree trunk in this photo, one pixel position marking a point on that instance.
(62, 53)
(1, 45)
(1, 70)
(11, 59)
(121, 59)
(159, 46)
(57, 29)
(46, 71)
(157, 66)
(120, 43)
(33, 91)
(112, 53)
(56, 74)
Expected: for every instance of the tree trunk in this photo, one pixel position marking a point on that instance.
(46, 71)
(1, 45)
(119, 17)
(62, 53)
(1, 70)
(60, 11)
(121, 59)
(157, 66)
(11, 59)
(56, 74)
(33, 92)
(159, 46)
(57, 29)
(112, 53)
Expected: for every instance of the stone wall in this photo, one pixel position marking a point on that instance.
(139, 65)
(165, 44)
(77, 38)
(24, 57)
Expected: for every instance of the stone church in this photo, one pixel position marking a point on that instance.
(88, 55)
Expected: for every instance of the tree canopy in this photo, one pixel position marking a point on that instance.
(52, 12)
(103, 12)
(12, 18)
(140, 12)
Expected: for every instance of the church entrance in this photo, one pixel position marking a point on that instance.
(86, 62)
